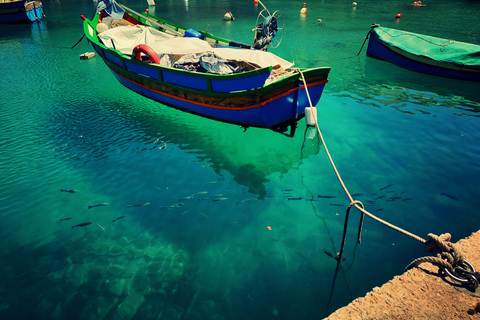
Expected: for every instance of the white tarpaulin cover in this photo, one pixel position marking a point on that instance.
(125, 38)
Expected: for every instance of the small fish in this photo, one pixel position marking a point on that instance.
(380, 197)
(82, 224)
(186, 198)
(101, 227)
(386, 187)
(296, 198)
(69, 191)
(218, 199)
(406, 199)
(449, 196)
(393, 198)
(125, 215)
(98, 205)
(218, 195)
(337, 204)
(326, 197)
(138, 204)
(332, 255)
(203, 215)
(287, 190)
(357, 194)
(201, 192)
(172, 206)
(247, 200)
(379, 210)
(64, 219)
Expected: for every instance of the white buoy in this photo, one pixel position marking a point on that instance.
(228, 16)
(310, 116)
(151, 2)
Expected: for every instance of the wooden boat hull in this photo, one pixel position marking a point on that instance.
(20, 12)
(380, 49)
(241, 98)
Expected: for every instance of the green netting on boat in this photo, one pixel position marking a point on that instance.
(444, 50)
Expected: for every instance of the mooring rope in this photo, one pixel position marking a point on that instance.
(446, 255)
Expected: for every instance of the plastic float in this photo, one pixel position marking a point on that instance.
(304, 9)
(228, 16)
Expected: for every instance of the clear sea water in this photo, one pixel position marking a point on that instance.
(201, 248)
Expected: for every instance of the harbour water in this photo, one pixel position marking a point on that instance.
(196, 196)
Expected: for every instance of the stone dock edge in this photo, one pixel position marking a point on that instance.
(420, 293)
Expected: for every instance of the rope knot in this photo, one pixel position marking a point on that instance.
(441, 247)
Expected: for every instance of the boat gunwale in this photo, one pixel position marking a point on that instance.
(208, 76)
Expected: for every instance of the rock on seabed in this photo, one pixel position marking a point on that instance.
(129, 307)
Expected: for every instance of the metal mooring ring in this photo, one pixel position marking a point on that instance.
(470, 279)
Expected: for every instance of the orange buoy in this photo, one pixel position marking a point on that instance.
(398, 16)
(304, 9)
(255, 1)
(146, 10)
(269, 228)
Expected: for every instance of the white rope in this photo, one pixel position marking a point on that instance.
(352, 202)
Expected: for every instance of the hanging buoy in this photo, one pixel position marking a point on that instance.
(304, 9)
(354, 4)
(398, 16)
(146, 10)
(310, 116)
(228, 16)
(255, 2)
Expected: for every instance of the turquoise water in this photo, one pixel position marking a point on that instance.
(406, 143)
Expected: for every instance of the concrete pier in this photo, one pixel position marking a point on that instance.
(420, 293)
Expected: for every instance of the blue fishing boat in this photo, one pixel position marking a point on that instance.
(425, 54)
(20, 11)
(204, 74)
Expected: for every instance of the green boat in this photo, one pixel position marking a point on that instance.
(425, 54)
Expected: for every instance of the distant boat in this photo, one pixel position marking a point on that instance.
(203, 74)
(20, 11)
(425, 54)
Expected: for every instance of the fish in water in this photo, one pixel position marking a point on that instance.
(449, 196)
(201, 192)
(336, 257)
(296, 198)
(357, 194)
(386, 187)
(172, 206)
(64, 219)
(69, 191)
(218, 199)
(98, 205)
(139, 204)
(326, 197)
(82, 224)
(125, 215)
(186, 198)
